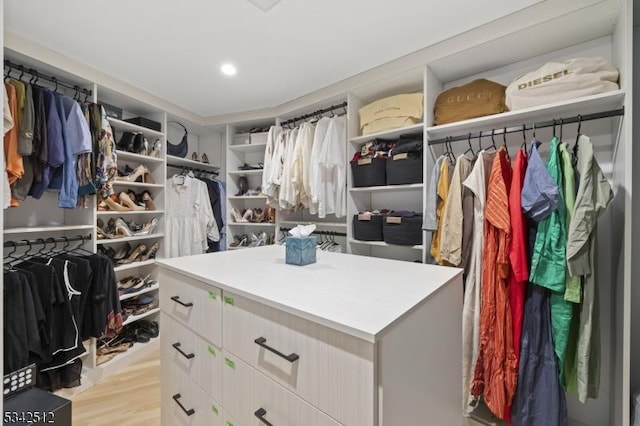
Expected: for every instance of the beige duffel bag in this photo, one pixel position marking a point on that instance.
(391, 113)
(560, 81)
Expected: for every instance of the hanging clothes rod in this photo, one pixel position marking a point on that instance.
(535, 126)
(52, 79)
(314, 114)
(43, 241)
(195, 169)
(330, 233)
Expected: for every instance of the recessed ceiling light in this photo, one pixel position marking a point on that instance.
(228, 69)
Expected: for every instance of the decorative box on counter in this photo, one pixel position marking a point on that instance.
(300, 250)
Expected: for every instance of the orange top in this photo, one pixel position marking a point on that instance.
(15, 168)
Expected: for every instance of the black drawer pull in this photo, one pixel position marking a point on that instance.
(177, 300)
(292, 357)
(260, 415)
(190, 412)
(176, 346)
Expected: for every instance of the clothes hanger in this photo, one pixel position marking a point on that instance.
(80, 249)
(493, 140)
(55, 80)
(470, 149)
(34, 76)
(21, 74)
(575, 146)
(86, 95)
(561, 127)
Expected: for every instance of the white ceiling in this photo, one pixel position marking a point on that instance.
(174, 49)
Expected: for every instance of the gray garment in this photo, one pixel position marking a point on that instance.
(540, 195)
(25, 137)
(20, 189)
(594, 195)
(430, 221)
(452, 219)
(467, 225)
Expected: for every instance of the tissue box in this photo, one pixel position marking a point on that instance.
(300, 250)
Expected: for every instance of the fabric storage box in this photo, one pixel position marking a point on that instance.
(393, 112)
(368, 227)
(112, 111)
(300, 250)
(405, 231)
(259, 138)
(368, 172)
(404, 169)
(145, 122)
(478, 98)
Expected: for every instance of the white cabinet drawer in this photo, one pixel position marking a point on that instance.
(185, 403)
(230, 421)
(192, 355)
(250, 395)
(329, 369)
(194, 304)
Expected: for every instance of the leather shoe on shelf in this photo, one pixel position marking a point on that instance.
(126, 141)
(151, 253)
(194, 156)
(135, 254)
(205, 159)
(127, 201)
(155, 150)
(148, 228)
(139, 172)
(148, 201)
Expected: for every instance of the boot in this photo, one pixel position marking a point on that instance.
(243, 185)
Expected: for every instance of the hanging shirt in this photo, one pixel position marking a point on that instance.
(14, 166)
(496, 375)
(452, 219)
(68, 197)
(272, 136)
(593, 197)
(332, 165)
(300, 164)
(518, 250)
(573, 291)
(275, 170)
(443, 192)
(477, 183)
(430, 220)
(287, 195)
(315, 174)
(7, 126)
(27, 122)
(540, 193)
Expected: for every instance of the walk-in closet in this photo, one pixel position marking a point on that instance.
(360, 214)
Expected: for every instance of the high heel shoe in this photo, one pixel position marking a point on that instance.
(126, 141)
(258, 216)
(144, 149)
(138, 143)
(157, 147)
(236, 215)
(194, 156)
(247, 216)
(135, 254)
(127, 201)
(122, 251)
(100, 232)
(139, 172)
(148, 201)
(205, 159)
(121, 229)
(149, 227)
(112, 205)
(151, 253)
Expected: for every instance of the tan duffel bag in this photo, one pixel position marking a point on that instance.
(475, 99)
(391, 113)
(560, 81)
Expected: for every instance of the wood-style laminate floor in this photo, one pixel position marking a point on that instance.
(131, 397)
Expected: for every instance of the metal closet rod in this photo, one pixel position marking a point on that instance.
(535, 126)
(195, 169)
(37, 74)
(315, 113)
(335, 234)
(43, 241)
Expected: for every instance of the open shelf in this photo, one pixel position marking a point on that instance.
(388, 188)
(263, 225)
(383, 244)
(46, 228)
(140, 349)
(133, 238)
(388, 134)
(180, 162)
(134, 265)
(245, 172)
(247, 197)
(133, 212)
(123, 125)
(134, 318)
(585, 105)
(124, 155)
(140, 293)
(248, 147)
(302, 222)
(136, 184)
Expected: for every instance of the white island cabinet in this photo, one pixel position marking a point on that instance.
(350, 340)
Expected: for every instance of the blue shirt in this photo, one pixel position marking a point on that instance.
(540, 195)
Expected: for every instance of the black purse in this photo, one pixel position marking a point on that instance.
(182, 148)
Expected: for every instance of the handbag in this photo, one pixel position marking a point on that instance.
(472, 100)
(180, 149)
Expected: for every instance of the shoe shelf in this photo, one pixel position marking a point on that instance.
(178, 162)
(292, 223)
(247, 197)
(47, 228)
(133, 212)
(358, 141)
(132, 238)
(248, 147)
(134, 265)
(137, 184)
(134, 318)
(383, 244)
(245, 172)
(130, 127)
(142, 291)
(259, 224)
(388, 188)
(139, 350)
(125, 155)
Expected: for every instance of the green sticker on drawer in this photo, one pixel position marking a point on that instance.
(213, 295)
(212, 350)
(214, 409)
(230, 363)
(229, 300)
(229, 423)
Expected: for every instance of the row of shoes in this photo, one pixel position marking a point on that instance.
(126, 254)
(120, 228)
(139, 305)
(133, 284)
(266, 215)
(141, 331)
(249, 192)
(205, 159)
(139, 174)
(252, 240)
(127, 201)
(137, 143)
(257, 166)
